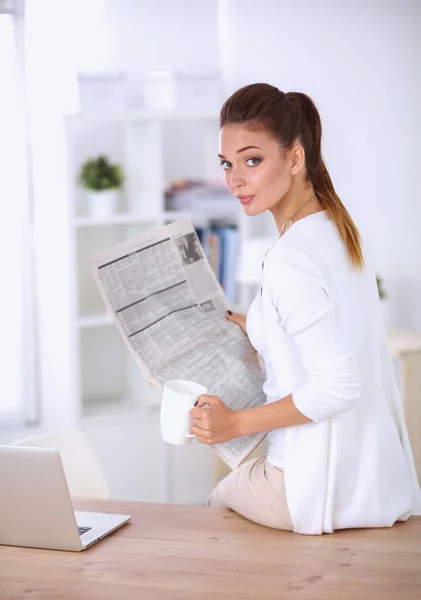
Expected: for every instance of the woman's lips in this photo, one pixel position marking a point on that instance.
(245, 199)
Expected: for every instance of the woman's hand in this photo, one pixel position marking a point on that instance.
(237, 318)
(215, 424)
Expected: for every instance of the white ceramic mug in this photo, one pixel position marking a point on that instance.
(178, 398)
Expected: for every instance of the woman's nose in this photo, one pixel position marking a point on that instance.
(236, 179)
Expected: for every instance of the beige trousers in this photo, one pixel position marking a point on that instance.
(255, 490)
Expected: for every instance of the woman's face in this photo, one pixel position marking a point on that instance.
(257, 170)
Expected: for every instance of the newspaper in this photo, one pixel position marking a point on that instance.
(170, 310)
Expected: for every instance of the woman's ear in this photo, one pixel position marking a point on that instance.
(298, 159)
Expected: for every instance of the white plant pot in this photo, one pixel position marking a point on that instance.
(103, 205)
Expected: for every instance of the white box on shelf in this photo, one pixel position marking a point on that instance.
(102, 92)
(169, 90)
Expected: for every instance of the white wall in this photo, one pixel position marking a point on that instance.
(360, 62)
(163, 34)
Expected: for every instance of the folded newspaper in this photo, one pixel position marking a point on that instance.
(170, 309)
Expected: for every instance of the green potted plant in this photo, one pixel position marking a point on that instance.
(102, 180)
(384, 299)
(380, 288)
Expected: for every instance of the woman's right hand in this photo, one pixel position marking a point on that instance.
(237, 318)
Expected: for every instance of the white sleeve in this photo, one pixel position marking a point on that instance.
(304, 304)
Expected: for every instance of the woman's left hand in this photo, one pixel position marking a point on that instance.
(215, 424)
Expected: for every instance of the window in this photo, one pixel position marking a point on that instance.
(17, 340)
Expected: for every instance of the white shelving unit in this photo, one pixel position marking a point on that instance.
(153, 147)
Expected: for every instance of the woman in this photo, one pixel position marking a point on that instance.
(338, 450)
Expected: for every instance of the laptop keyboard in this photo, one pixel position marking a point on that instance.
(83, 530)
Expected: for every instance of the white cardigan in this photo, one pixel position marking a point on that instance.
(353, 465)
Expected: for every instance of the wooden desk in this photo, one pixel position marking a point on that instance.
(173, 552)
(406, 347)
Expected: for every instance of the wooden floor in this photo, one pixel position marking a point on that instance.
(196, 553)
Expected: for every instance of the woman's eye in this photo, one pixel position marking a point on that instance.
(253, 162)
(225, 164)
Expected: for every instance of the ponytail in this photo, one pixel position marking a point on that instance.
(308, 117)
(331, 202)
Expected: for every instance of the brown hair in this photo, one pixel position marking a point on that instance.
(290, 117)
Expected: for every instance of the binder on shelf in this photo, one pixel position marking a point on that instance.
(220, 244)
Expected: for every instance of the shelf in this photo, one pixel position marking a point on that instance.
(119, 219)
(168, 215)
(221, 213)
(402, 341)
(110, 381)
(101, 407)
(119, 412)
(139, 116)
(92, 321)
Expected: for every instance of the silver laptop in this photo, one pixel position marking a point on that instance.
(35, 506)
